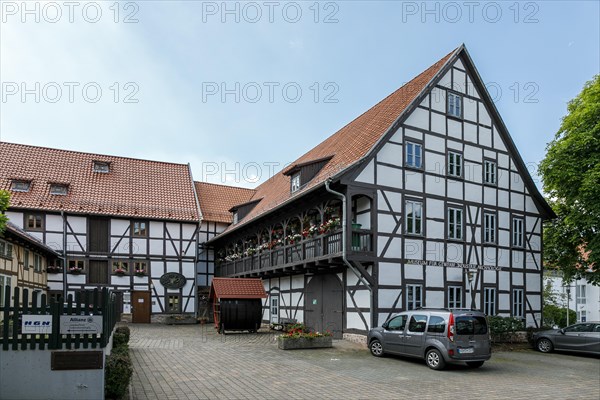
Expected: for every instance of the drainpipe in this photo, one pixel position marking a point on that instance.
(344, 248)
(65, 266)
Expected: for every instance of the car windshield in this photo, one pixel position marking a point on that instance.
(471, 325)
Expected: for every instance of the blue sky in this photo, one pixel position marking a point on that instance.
(239, 89)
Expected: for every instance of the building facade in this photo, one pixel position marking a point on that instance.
(24, 263)
(128, 224)
(579, 295)
(422, 201)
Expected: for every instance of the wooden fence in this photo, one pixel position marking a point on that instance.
(87, 303)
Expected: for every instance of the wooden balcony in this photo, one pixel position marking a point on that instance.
(298, 257)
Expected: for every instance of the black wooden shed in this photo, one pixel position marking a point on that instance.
(237, 303)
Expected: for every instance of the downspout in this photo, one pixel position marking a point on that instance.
(65, 266)
(344, 249)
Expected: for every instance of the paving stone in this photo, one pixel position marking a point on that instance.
(194, 362)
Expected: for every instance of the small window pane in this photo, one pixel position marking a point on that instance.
(417, 323)
(436, 324)
(139, 228)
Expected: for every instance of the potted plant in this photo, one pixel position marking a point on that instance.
(140, 272)
(53, 269)
(120, 272)
(75, 270)
(298, 337)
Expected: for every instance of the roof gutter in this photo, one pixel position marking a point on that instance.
(345, 249)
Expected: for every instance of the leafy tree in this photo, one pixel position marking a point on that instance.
(4, 202)
(571, 176)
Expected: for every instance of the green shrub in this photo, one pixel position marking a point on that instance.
(557, 316)
(117, 373)
(504, 328)
(121, 336)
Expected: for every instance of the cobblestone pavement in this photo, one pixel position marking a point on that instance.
(193, 362)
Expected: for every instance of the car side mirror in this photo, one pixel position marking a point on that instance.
(561, 331)
(385, 325)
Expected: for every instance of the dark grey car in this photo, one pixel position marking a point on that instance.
(583, 337)
(438, 336)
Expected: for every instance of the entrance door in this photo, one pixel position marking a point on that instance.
(323, 304)
(140, 307)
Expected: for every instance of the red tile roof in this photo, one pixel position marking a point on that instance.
(133, 188)
(216, 200)
(347, 146)
(237, 288)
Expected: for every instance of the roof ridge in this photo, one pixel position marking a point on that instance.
(91, 154)
(227, 186)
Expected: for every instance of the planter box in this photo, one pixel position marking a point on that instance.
(304, 343)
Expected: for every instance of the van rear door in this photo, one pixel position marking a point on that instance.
(472, 338)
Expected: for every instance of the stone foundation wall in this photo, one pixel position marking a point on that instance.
(356, 338)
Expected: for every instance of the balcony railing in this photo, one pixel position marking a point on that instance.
(307, 250)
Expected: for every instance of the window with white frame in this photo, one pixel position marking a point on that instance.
(489, 228)
(413, 155)
(454, 164)
(102, 167)
(18, 185)
(414, 217)
(455, 223)
(489, 172)
(454, 105)
(413, 297)
(295, 182)
(37, 263)
(34, 222)
(489, 301)
(580, 297)
(6, 249)
(59, 189)
(517, 232)
(455, 297)
(518, 303)
(4, 281)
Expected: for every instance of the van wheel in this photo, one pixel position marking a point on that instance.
(434, 359)
(376, 348)
(474, 364)
(544, 345)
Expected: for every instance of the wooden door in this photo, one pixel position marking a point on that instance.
(323, 304)
(140, 307)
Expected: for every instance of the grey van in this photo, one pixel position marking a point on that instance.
(438, 336)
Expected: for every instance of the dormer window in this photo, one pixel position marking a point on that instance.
(59, 189)
(101, 167)
(19, 185)
(295, 182)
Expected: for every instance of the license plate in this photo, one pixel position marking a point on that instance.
(466, 351)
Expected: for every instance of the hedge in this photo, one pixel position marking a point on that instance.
(118, 367)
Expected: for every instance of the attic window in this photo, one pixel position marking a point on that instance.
(20, 185)
(59, 189)
(101, 167)
(295, 182)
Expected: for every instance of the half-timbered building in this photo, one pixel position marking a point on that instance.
(422, 201)
(216, 202)
(125, 223)
(24, 262)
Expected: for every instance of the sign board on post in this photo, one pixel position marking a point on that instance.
(36, 324)
(80, 324)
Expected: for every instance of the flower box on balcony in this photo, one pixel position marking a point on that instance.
(140, 273)
(120, 272)
(75, 271)
(292, 343)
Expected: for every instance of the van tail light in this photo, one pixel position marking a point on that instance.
(451, 327)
